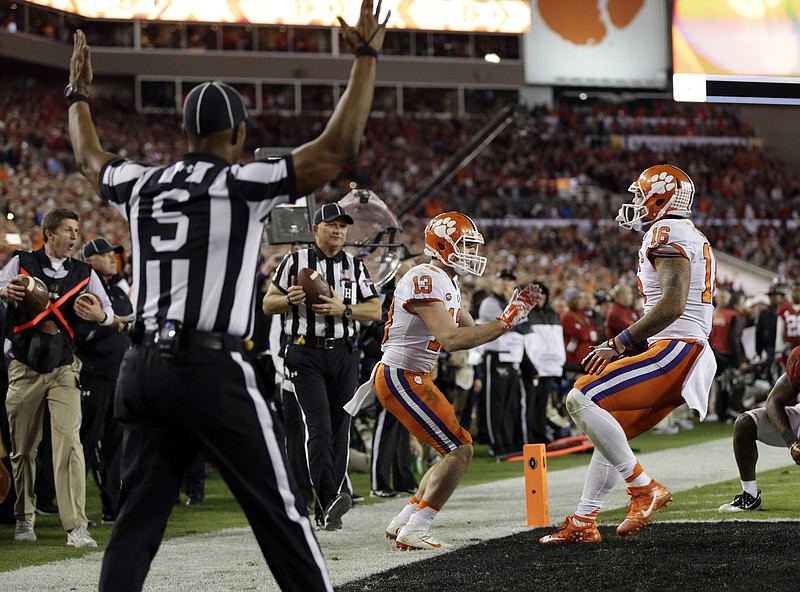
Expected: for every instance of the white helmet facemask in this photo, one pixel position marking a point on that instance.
(465, 262)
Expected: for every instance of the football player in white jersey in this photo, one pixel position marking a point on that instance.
(622, 397)
(424, 317)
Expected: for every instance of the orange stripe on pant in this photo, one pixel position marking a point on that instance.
(421, 407)
(641, 390)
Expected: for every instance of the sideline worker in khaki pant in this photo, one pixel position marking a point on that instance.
(27, 393)
(45, 368)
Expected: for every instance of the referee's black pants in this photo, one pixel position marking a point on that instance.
(101, 436)
(391, 455)
(207, 401)
(503, 406)
(295, 432)
(324, 380)
(536, 393)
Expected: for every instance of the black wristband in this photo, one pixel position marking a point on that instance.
(76, 92)
(366, 50)
(77, 98)
(789, 437)
(289, 300)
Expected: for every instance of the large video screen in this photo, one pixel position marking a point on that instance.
(486, 16)
(606, 43)
(742, 51)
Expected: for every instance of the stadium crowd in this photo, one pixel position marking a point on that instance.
(568, 164)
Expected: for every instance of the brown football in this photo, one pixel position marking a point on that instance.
(36, 298)
(87, 296)
(314, 285)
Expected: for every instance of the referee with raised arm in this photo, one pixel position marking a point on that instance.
(321, 356)
(186, 386)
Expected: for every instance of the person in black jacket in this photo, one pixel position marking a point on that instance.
(543, 362)
(501, 365)
(100, 349)
(44, 371)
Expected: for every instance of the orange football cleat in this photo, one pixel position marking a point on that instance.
(572, 533)
(645, 501)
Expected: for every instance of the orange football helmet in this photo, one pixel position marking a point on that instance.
(660, 190)
(453, 239)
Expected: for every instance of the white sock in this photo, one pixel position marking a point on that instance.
(641, 479)
(423, 517)
(600, 480)
(408, 510)
(750, 487)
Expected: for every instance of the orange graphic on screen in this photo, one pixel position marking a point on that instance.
(580, 21)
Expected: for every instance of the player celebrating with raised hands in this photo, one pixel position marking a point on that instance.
(621, 398)
(425, 316)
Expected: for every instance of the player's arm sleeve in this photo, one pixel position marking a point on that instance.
(667, 251)
(428, 288)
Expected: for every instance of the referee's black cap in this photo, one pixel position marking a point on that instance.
(330, 212)
(212, 107)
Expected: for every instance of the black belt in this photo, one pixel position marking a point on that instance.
(191, 338)
(320, 342)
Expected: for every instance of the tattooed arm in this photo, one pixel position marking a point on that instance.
(674, 274)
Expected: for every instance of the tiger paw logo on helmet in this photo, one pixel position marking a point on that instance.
(659, 191)
(661, 183)
(445, 227)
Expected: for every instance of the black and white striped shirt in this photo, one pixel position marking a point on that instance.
(196, 228)
(347, 275)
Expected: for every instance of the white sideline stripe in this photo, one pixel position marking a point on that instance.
(231, 560)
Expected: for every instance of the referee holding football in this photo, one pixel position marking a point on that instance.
(186, 385)
(321, 357)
